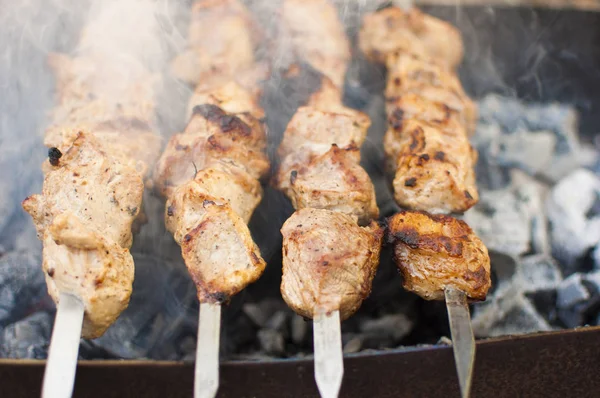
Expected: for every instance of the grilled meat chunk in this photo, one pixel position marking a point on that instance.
(84, 216)
(231, 97)
(328, 262)
(434, 169)
(333, 181)
(409, 74)
(227, 50)
(314, 32)
(393, 29)
(434, 252)
(213, 138)
(216, 244)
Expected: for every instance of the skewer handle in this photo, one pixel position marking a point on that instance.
(206, 376)
(463, 342)
(59, 376)
(329, 358)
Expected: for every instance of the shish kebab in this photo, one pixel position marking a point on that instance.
(331, 244)
(91, 196)
(427, 149)
(210, 172)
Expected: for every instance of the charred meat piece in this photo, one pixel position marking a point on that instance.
(433, 169)
(216, 244)
(84, 217)
(213, 138)
(328, 262)
(434, 252)
(393, 29)
(316, 36)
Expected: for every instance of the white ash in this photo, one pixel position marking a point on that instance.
(22, 286)
(27, 338)
(573, 230)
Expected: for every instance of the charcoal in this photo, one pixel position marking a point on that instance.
(490, 174)
(299, 329)
(256, 314)
(271, 342)
(572, 291)
(395, 326)
(596, 257)
(572, 233)
(158, 312)
(538, 273)
(22, 286)
(561, 120)
(520, 319)
(278, 321)
(353, 343)
(502, 221)
(27, 338)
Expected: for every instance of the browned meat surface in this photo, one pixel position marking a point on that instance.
(84, 215)
(328, 262)
(320, 160)
(409, 74)
(120, 114)
(413, 32)
(434, 169)
(434, 252)
(332, 181)
(213, 138)
(315, 34)
(215, 241)
(222, 40)
(210, 172)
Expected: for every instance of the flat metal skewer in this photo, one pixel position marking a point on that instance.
(329, 358)
(206, 376)
(463, 342)
(59, 376)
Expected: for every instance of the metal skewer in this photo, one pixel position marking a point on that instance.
(59, 376)
(329, 359)
(463, 342)
(206, 376)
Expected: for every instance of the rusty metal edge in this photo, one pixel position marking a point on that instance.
(563, 363)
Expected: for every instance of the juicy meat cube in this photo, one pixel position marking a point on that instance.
(312, 29)
(226, 48)
(213, 138)
(82, 262)
(231, 97)
(216, 244)
(408, 74)
(328, 262)
(87, 182)
(333, 181)
(434, 252)
(394, 30)
(84, 218)
(321, 129)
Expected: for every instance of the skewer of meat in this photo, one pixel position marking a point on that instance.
(210, 172)
(427, 149)
(91, 195)
(331, 244)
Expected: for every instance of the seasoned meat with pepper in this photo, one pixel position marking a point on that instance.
(328, 262)
(213, 138)
(231, 97)
(433, 169)
(333, 181)
(434, 252)
(313, 31)
(222, 41)
(409, 74)
(84, 216)
(216, 244)
(393, 29)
